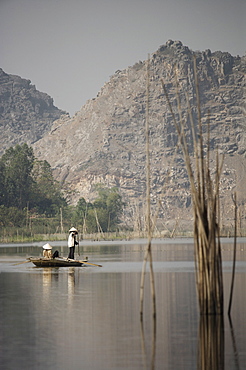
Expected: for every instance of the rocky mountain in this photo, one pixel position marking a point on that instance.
(26, 114)
(105, 141)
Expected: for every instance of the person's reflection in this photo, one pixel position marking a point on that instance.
(211, 343)
(71, 283)
(46, 277)
(48, 274)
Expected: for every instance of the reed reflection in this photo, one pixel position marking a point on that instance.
(234, 344)
(149, 364)
(211, 348)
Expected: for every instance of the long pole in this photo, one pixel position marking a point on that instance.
(78, 245)
(61, 222)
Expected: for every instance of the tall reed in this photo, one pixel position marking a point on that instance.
(148, 252)
(205, 201)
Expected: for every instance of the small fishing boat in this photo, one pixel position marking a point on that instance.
(58, 262)
(55, 262)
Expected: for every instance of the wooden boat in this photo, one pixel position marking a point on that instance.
(57, 262)
(54, 262)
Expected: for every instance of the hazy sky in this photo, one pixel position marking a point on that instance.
(70, 48)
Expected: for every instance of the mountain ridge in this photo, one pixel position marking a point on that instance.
(104, 142)
(26, 114)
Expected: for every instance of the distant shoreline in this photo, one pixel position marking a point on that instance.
(177, 240)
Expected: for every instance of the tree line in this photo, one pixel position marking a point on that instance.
(31, 198)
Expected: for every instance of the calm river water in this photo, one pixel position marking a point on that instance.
(88, 318)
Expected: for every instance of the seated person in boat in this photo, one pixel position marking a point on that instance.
(47, 251)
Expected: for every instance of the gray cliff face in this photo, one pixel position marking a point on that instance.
(105, 141)
(25, 113)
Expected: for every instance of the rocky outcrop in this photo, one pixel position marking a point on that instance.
(105, 141)
(26, 114)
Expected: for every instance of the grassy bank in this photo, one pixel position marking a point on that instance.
(16, 236)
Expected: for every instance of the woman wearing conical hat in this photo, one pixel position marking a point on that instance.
(47, 250)
(72, 241)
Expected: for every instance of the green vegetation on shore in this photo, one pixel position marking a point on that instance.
(32, 204)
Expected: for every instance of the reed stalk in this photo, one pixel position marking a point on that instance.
(148, 252)
(234, 255)
(205, 202)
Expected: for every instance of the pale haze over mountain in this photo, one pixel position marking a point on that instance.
(69, 49)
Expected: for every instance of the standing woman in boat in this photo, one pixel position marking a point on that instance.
(72, 241)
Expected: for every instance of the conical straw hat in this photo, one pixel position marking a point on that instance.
(47, 246)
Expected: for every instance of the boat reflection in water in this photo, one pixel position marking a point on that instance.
(51, 276)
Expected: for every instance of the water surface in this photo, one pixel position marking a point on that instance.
(88, 318)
